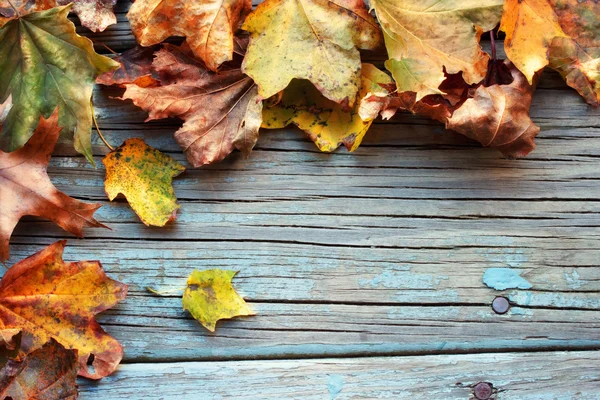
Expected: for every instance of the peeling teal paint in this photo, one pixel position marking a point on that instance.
(335, 384)
(505, 278)
(573, 281)
(559, 300)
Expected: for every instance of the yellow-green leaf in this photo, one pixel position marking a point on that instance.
(143, 175)
(326, 122)
(209, 297)
(44, 64)
(316, 40)
(425, 37)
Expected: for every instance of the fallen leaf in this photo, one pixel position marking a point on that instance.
(209, 297)
(208, 25)
(562, 34)
(47, 373)
(45, 64)
(48, 298)
(96, 15)
(135, 68)
(317, 40)
(498, 116)
(326, 122)
(25, 188)
(424, 38)
(221, 110)
(143, 175)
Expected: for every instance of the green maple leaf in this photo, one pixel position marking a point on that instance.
(44, 64)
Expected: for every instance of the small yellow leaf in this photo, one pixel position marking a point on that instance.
(144, 175)
(210, 297)
(327, 123)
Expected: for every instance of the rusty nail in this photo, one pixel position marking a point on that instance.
(500, 305)
(483, 390)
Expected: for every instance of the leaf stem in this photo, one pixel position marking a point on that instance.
(100, 132)
(493, 41)
(163, 292)
(14, 8)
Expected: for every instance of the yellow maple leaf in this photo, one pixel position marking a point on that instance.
(317, 40)
(210, 297)
(143, 174)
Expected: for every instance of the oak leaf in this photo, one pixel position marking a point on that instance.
(96, 15)
(562, 34)
(327, 123)
(45, 64)
(25, 188)
(317, 40)
(48, 298)
(209, 297)
(221, 110)
(47, 373)
(208, 25)
(135, 68)
(424, 39)
(498, 116)
(143, 174)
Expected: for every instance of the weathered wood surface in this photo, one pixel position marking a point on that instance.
(380, 252)
(520, 376)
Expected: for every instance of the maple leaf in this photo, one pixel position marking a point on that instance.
(563, 35)
(25, 188)
(317, 40)
(208, 25)
(48, 298)
(47, 373)
(143, 174)
(326, 122)
(209, 297)
(498, 116)
(135, 68)
(425, 37)
(45, 64)
(96, 15)
(221, 110)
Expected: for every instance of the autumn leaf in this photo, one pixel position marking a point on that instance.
(96, 15)
(563, 35)
(426, 38)
(135, 68)
(143, 174)
(498, 116)
(47, 373)
(209, 297)
(25, 188)
(45, 64)
(326, 122)
(221, 110)
(317, 40)
(48, 298)
(208, 25)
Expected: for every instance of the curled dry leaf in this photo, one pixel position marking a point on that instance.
(96, 15)
(44, 64)
(209, 297)
(25, 188)
(208, 25)
(327, 123)
(562, 34)
(317, 40)
(47, 373)
(135, 68)
(143, 174)
(47, 298)
(424, 39)
(221, 110)
(498, 116)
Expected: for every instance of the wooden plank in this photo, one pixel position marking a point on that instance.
(513, 376)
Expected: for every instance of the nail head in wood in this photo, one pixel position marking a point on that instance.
(483, 390)
(500, 305)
